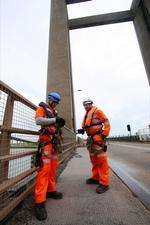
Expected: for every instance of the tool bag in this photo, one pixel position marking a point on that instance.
(56, 141)
(38, 162)
(95, 148)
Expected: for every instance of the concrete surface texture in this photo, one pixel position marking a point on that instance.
(59, 76)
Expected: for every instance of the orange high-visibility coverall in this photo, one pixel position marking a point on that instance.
(45, 179)
(95, 122)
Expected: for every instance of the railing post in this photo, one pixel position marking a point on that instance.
(6, 136)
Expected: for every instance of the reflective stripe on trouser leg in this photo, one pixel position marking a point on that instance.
(42, 178)
(95, 174)
(103, 169)
(52, 175)
(41, 183)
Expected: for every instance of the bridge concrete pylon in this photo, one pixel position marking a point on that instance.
(59, 77)
(141, 21)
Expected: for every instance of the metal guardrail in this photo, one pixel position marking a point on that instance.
(18, 145)
(124, 138)
(132, 138)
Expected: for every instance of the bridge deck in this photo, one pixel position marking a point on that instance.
(81, 205)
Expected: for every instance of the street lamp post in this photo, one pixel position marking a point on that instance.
(78, 90)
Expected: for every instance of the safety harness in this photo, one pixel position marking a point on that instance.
(46, 131)
(38, 156)
(90, 142)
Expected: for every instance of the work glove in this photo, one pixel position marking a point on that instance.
(60, 121)
(104, 146)
(103, 136)
(81, 131)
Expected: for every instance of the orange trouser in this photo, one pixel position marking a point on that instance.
(46, 176)
(100, 168)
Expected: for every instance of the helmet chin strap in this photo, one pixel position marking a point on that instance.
(50, 103)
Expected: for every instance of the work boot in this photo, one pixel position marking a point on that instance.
(92, 181)
(101, 189)
(40, 211)
(55, 195)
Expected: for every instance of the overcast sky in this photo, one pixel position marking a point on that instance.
(106, 60)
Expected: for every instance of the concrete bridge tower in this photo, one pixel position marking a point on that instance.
(59, 76)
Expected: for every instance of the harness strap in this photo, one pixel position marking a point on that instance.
(44, 131)
(87, 115)
(41, 144)
(48, 113)
(93, 125)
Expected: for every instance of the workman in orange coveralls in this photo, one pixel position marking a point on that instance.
(97, 127)
(45, 186)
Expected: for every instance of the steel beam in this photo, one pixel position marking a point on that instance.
(102, 19)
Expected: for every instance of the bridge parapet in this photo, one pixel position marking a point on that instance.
(18, 145)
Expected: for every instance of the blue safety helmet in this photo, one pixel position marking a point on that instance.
(54, 97)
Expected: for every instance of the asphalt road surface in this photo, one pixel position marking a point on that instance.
(132, 161)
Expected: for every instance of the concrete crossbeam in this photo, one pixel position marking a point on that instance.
(102, 19)
(76, 1)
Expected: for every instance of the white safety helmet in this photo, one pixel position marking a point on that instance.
(87, 101)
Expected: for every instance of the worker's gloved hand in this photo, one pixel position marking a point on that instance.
(103, 136)
(104, 147)
(60, 121)
(80, 131)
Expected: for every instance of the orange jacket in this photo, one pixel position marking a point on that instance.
(40, 112)
(95, 121)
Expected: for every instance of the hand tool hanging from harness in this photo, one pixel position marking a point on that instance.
(56, 138)
(38, 162)
(38, 156)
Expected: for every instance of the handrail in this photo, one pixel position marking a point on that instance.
(18, 130)
(16, 156)
(13, 139)
(8, 90)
